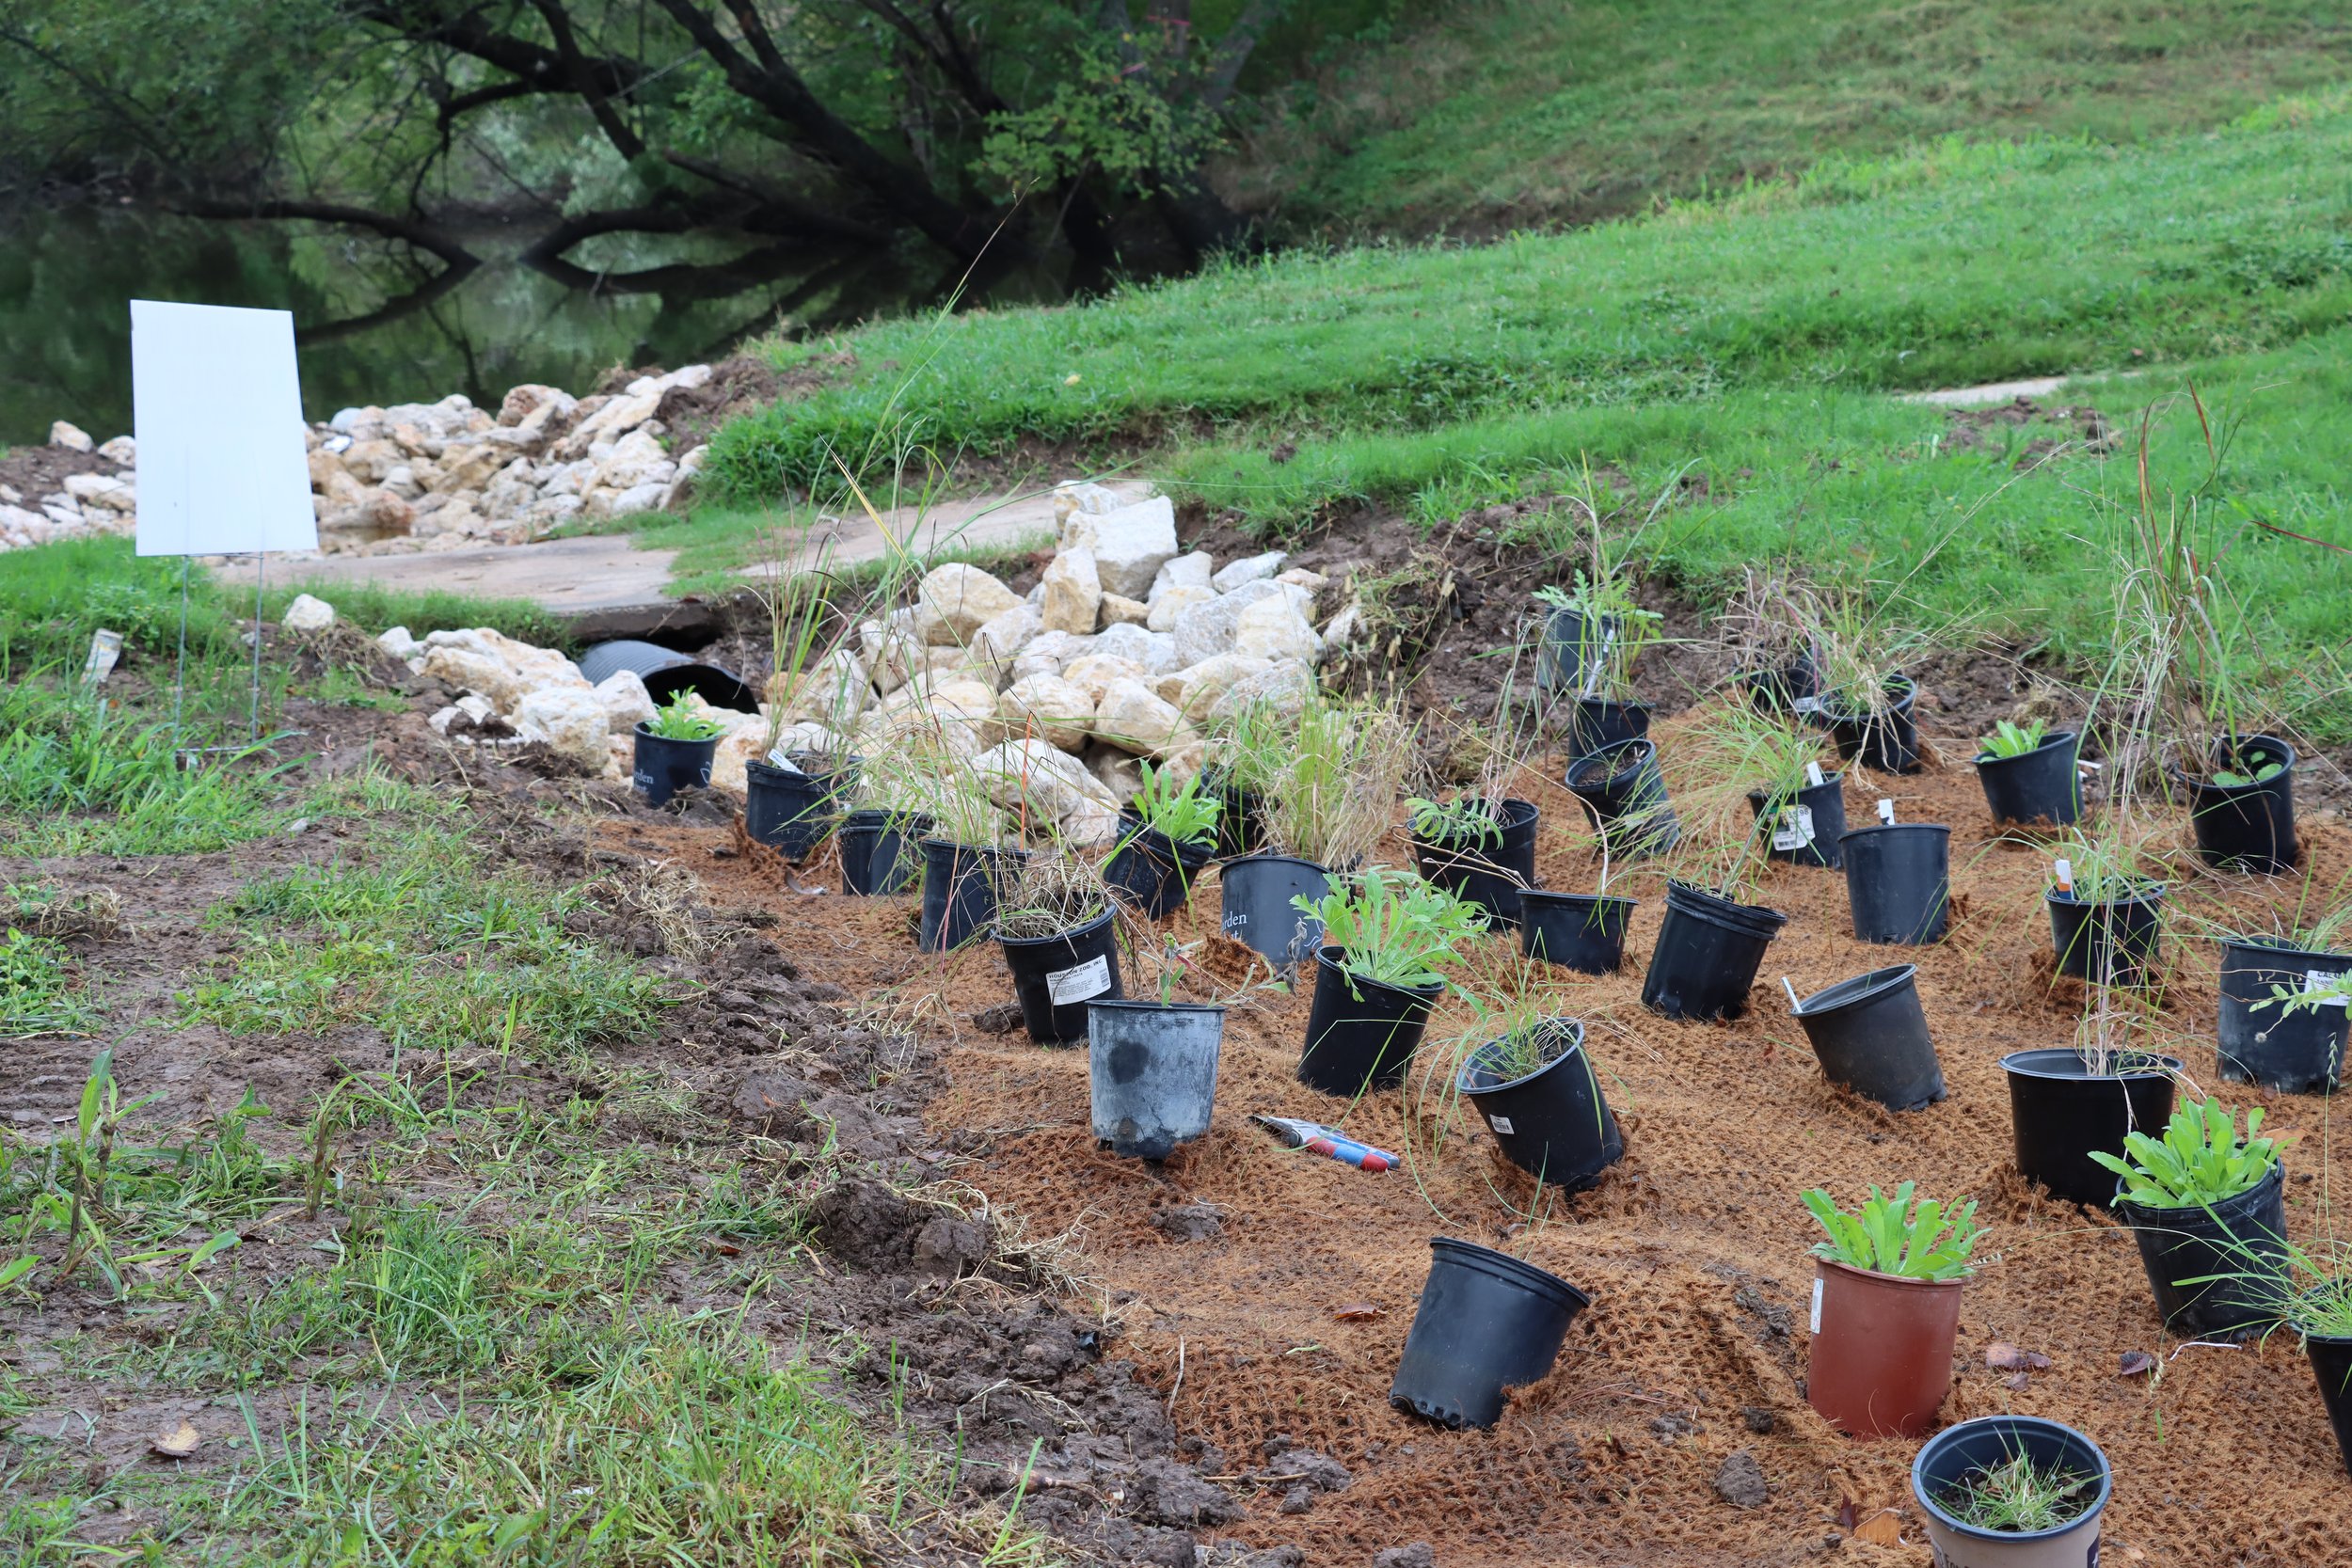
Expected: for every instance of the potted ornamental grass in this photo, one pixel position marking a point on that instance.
(1767, 626)
(1594, 632)
(2031, 775)
(1385, 935)
(2308, 1290)
(2067, 1103)
(675, 749)
(2285, 1000)
(2107, 908)
(1867, 700)
(2207, 1206)
(2012, 1491)
(966, 857)
(1527, 1074)
(1058, 930)
(1799, 806)
(1886, 1308)
(1244, 755)
(1712, 942)
(795, 790)
(1167, 836)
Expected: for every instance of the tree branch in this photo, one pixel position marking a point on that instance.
(392, 226)
(582, 76)
(1234, 50)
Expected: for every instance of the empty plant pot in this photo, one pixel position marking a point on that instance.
(1491, 870)
(1898, 882)
(1871, 1034)
(1806, 827)
(1055, 978)
(1151, 1073)
(960, 883)
(1882, 1358)
(1621, 786)
(1708, 948)
(1151, 871)
(875, 850)
(793, 812)
(1360, 1034)
(1574, 650)
(664, 767)
(1257, 891)
(2061, 1112)
(1953, 1456)
(1884, 738)
(2331, 1363)
(2114, 942)
(1596, 725)
(1552, 1122)
(1486, 1322)
(2293, 1053)
(1575, 930)
(2041, 786)
(2247, 826)
(2187, 1252)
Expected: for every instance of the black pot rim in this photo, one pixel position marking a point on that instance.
(883, 818)
(1326, 956)
(2276, 947)
(1149, 1005)
(1546, 896)
(1952, 1435)
(1648, 751)
(1695, 901)
(643, 733)
(1232, 861)
(2016, 1066)
(2207, 785)
(930, 842)
(1575, 1050)
(849, 762)
(1075, 934)
(2275, 1176)
(2150, 891)
(1516, 813)
(1852, 833)
(1193, 853)
(1866, 987)
(1502, 1265)
(2057, 738)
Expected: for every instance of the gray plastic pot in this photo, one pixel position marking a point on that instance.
(1951, 1454)
(1152, 1072)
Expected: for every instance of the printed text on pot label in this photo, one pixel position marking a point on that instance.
(1501, 1124)
(1817, 1308)
(1090, 978)
(1796, 829)
(2318, 982)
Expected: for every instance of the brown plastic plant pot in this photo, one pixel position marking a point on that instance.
(1882, 1349)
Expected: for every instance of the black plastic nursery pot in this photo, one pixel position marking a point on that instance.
(2293, 1053)
(1596, 724)
(1871, 1034)
(2043, 786)
(1887, 741)
(793, 812)
(1622, 787)
(1151, 1073)
(1055, 978)
(1257, 891)
(1360, 1034)
(2061, 1112)
(2115, 942)
(2246, 826)
(1708, 949)
(960, 885)
(1794, 688)
(1240, 817)
(2242, 1237)
(1808, 825)
(1958, 1452)
(1489, 872)
(663, 767)
(1575, 930)
(1553, 1123)
(1560, 661)
(1151, 871)
(874, 847)
(2331, 1363)
(1486, 1322)
(1898, 882)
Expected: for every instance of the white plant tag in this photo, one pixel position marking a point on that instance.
(1090, 978)
(777, 759)
(1501, 1124)
(2317, 980)
(1886, 812)
(1813, 774)
(1816, 1306)
(1806, 704)
(2066, 877)
(105, 647)
(1796, 827)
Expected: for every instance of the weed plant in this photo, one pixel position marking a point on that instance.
(2020, 1494)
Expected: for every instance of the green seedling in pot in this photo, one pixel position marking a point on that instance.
(1180, 811)
(1392, 929)
(2199, 1160)
(2009, 739)
(2261, 768)
(2020, 1494)
(676, 721)
(1614, 630)
(1892, 1236)
(1473, 820)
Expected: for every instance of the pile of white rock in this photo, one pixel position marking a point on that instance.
(430, 475)
(1127, 649)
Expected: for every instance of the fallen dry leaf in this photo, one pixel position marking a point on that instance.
(1361, 1311)
(1881, 1528)
(2135, 1363)
(2019, 1383)
(1846, 1516)
(179, 1444)
(2002, 1357)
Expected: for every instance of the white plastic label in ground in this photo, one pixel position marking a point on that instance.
(2316, 980)
(1796, 827)
(1090, 978)
(1806, 704)
(218, 410)
(1817, 1307)
(1501, 1124)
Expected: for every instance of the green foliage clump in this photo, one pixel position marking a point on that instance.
(679, 720)
(2199, 1160)
(1892, 1236)
(2012, 740)
(1393, 928)
(2019, 1495)
(1181, 812)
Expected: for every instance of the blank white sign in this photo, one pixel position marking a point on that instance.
(217, 409)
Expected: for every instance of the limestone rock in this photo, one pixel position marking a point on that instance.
(308, 614)
(1273, 629)
(1206, 630)
(746, 739)
(1094, 673)
(122, 449)
(1060, 710)
(571, 722)
(1049, 785)
(102, 490)
(1283, 689)
(521, 403)
(955, 601)
(995, 645)
(1074, 593)
(1133, 719)
(1124, 641)
(1300, 577)
(1252, 568)
(1196, 687)
(627, 702)
(373, 514)
(1170, 603)
(1080, 497)
(1119, 610)
(1129, 544)
(1120, 773)
(71, 436)
(1192, 569)
(397, 641)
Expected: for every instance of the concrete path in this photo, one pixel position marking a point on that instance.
(1025, 517)
(1989, 393)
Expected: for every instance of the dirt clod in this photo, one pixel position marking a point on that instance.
(1418, 1555)
(1189, 1222)
(1740, 1480)
(1170, 1494)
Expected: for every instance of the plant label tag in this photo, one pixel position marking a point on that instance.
(1816, 1327)
(1806, 704)
(1886, 812)
(2319, 980)
(2066, 877)
(1796, 827)
(777, 759)
(1501, 1124)
(105, 647)
(1090, 978)
(1813, 774)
